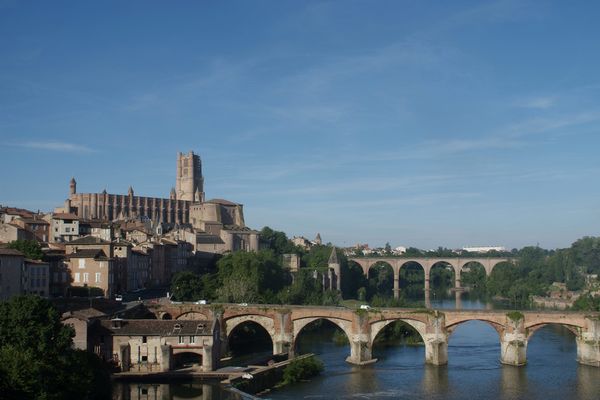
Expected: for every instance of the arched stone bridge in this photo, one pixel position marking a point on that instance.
(427, 264)
(285, 323)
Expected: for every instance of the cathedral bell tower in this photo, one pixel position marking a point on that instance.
(189, 182)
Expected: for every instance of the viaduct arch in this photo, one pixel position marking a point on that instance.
(427, 264)
(285, 323)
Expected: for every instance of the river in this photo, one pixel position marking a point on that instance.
(473, 371)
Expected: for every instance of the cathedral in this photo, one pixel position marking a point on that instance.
(220, 219)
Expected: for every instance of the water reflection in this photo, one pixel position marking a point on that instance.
(435, 380)
(513, 381)
(166, 391)
(588, 382)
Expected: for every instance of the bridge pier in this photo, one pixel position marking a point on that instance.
(208, 362)
(360, 350)
(396, 285)
(436, 340)
(436, 350)
(513, 350)
(588, 344)
(427, 299)
(283, 345)
(165, 352)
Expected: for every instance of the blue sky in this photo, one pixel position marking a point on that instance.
(419, 123)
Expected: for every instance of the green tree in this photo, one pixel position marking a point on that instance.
(37, 360)
(30, 248)
(249, 276)
(187, 286)
(388, 249)
(277, 241)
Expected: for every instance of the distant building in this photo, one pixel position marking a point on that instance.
(399, 250)
(39, 227)
(10, 232)
(303, 242)
(64, 227)
(12, 267)
(318, 240)
(36, 278)
(215, 225)
(483, 249)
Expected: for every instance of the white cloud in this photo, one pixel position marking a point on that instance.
(540, 103)
(55, 146)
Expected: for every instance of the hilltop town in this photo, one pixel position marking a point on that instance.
(109, 244)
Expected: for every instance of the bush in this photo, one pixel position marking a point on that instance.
(301, 369)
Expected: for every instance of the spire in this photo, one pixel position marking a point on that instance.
(197, 196)
(173, 195)
(333, 257)
(130, 191)
(318, 239)
(72, 186)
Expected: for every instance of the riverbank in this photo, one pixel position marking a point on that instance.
(244, 381)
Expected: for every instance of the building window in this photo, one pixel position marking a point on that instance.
(181, 340)
(86, 277)
(82, 263)
(144, 339)
(97, 277)
(76, 276)
(192, 339)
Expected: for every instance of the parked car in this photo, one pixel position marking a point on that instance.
(365, 307)
(118, 297)
(201, 302)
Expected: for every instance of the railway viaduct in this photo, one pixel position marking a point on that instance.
(427, 263)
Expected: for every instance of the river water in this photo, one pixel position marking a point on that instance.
(473, 371)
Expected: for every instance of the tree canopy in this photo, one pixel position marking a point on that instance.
(30, 248)
(37, 360)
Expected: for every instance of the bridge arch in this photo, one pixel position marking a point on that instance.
(532, 329)
(185, 357)
(266, 323)
(301, 323)
(193, 315)
(377, 327)
(497, 326)
(165, 316)
(381, 278)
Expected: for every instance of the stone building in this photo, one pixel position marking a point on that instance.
(219, 223)
(39, 227)
(92, 268)
(156, 345)
(64, 227)
(10, 232)
(36, 278)
(12, 265)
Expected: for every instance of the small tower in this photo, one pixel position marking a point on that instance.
(198, 196)
(173, 195)
(72, 186)
(130, 192)
(334, 264)
(318, 240)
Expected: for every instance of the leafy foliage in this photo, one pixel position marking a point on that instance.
(277, 241)
(187, 286)
(30, 248)
(36, 357)
(302, 369)
(249, 277)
